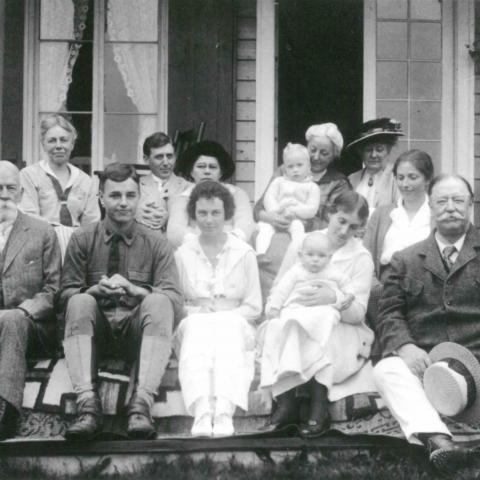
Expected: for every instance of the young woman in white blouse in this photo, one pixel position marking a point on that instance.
(215, 341)
(395, 227)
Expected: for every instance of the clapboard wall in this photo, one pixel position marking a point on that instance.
(245, 53)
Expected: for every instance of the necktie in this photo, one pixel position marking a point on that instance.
(65, 215)
(114, 255)
(447, 255)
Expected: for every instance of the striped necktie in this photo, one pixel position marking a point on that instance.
(62, 195)
(447, 256)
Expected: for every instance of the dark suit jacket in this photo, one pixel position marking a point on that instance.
(31, 272)
(423, 304)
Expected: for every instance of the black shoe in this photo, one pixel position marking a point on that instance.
(315, 428)
(444, 453)
(8, 419)
(285, 414)
(140, 423)
(89, 420)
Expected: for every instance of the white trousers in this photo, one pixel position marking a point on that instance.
(404, 395)
(266, 231)
(216, 358)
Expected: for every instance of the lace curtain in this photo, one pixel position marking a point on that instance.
(136, 20)
(63, 20)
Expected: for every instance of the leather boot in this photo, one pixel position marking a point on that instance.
(319, 417)
(89, 420)
(285, 414)
(8, 419)
(80, 359)
(140, 423)
(153, 360)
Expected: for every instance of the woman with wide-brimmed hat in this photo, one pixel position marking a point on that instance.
(207, 160)
(373, 144)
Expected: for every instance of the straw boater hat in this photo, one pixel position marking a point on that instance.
(380, 128)
(452, 382)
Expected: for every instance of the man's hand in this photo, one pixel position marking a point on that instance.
(106, 289)
(153, 215)
(417, 360)
(313, 296)
(118, 282)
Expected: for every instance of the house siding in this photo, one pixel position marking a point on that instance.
(245, 65)
(477, 119)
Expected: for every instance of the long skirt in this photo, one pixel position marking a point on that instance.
(310, 343)
(216, 357)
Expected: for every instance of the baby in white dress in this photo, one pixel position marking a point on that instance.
(312, 272)
(294, 195)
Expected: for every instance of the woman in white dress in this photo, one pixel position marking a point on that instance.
(215, 342)
(329, 367)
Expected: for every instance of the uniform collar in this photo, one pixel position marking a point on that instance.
(109, 230)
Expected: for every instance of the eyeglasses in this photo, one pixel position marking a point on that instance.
(458, 201)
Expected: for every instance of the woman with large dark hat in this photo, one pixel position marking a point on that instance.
(373, 144)
(207, 160)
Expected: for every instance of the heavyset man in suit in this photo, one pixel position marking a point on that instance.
(121, 294)
(30, 263)
(431, 296)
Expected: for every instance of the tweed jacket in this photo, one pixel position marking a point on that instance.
(332, 184)
(377, 228)
(31, 267)
(424, 304)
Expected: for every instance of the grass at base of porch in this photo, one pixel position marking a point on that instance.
(350, 464)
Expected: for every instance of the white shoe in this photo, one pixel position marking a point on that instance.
(223, 426)
(202, 426)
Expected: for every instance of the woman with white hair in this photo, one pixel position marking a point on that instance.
(56, 190)
(324, 144)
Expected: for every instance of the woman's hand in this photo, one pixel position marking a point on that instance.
(272, 313)
(417, 359)
(278, 221)
(348, 300)
(313, 296)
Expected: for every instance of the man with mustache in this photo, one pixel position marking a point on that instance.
(430, 296)
(30, 263)
(121, 293)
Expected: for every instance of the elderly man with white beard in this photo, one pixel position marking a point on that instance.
(30, 264)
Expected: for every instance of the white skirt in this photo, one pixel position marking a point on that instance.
(216, 357)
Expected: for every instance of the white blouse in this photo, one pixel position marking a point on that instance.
(404, 232)
(232, 284)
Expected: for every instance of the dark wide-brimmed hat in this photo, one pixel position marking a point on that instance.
(378, 129)
(208, 148)
(452, 382)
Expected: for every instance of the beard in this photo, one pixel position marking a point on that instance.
(8, 210)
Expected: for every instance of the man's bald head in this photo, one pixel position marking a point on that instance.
(7, 167)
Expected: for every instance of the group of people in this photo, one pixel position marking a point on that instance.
(356, 279)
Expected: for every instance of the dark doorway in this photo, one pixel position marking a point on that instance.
(320, 70)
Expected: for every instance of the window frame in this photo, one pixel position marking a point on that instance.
(31, 127)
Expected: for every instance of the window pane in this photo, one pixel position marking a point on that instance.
(82, 152)
(124, 136)
(129, 20)
(66, 19)
(130, 78)
(57, 60)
